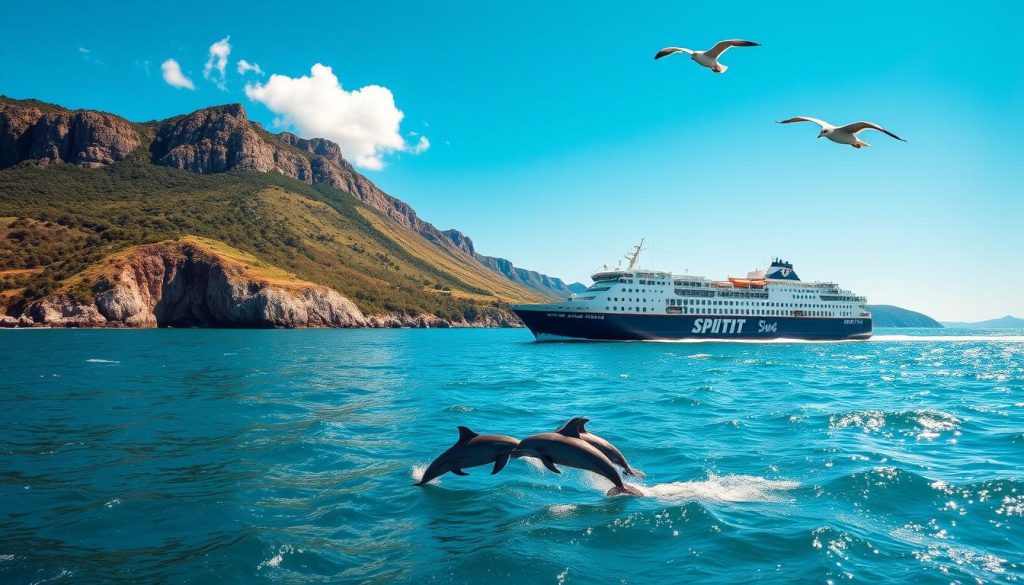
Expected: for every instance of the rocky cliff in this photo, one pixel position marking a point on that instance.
(202, 283)
(31, 130)
(541, 283)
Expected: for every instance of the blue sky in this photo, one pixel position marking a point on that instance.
(557, 141)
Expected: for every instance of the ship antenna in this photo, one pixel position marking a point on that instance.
(634, 254)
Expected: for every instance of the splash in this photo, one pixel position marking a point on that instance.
(416, 473)
(715, 489)
(723, 489)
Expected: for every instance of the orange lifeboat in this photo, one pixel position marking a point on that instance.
(746, 282)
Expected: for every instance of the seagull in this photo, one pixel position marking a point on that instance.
(842, 134)
(710, 57)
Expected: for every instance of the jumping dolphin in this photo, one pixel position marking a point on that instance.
(471, 450)
(602, 445)
(567, 448)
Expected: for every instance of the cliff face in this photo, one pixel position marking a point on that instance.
(190, 284)
(541, 283)
(29, 132)
(221, 139)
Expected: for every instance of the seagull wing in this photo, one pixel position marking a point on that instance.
(723, 46)
(858, 126)
(670, 50)
(821, 123)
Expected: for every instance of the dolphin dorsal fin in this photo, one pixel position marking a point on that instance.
(570, 429)
(580, 424)
(465, 434)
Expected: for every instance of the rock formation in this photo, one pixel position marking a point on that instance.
(49, 135)
(187, 283)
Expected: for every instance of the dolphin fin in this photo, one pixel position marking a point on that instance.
(634, 472)
(570, 429)
(499, 463)
(580, 422)
(569, 423)
(465, 434)
(549, 463)
(459, 472)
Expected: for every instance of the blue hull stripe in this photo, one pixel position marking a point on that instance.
(618, 326)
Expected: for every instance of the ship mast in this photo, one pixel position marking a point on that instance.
(634, 255)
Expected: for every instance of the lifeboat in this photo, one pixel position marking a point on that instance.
(746, 282)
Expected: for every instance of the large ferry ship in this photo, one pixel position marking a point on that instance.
(637, 304)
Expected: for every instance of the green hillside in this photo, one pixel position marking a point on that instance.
(57, 220)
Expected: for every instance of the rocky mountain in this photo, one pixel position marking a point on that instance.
(892, 316)
(542, 283)
(33, 130)
(288, 202)
(1007, 322)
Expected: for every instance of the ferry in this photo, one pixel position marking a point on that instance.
(637, 304)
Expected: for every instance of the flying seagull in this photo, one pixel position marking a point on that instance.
(842, 134)
(710, 57)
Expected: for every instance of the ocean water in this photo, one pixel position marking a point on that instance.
(218, 456)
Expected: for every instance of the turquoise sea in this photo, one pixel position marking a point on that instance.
(239, 456)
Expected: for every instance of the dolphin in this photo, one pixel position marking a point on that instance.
(567, 448)
(602, 445)
(471, 450)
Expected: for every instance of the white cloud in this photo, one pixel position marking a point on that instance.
(173, 75)
(365, 121)
(420, 146)
(218, 61)
(245, 67)
(86, 55)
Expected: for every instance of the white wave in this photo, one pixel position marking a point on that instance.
(716, 489)
(779, 340)
(950, 338)
(562, 510)
(102, 361)
(874, 338)
(275, 561)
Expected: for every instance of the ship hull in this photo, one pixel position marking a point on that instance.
(548, 325)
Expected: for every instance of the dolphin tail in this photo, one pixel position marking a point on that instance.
(634, 472)
(499, 463)
(625, 489)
